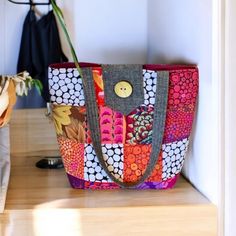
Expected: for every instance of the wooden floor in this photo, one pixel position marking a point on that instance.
(42, 203)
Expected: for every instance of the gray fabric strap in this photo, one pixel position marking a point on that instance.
(130, 73)
(158, 123)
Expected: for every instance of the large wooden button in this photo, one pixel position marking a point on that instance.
(123, 89)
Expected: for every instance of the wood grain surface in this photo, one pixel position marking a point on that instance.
(31, 131)
(42, 203)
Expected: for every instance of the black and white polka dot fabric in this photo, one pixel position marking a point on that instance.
(149, 84)
(65, 87)
(173, 158)
(113, 155)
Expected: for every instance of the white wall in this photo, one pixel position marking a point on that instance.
(123, 31)
(102, 31)
(11, 23)
(230, 118)
(2, 32)
(108, 31)
(181, 31)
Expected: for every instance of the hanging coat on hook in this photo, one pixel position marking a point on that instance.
(40, 47)
(29, 56)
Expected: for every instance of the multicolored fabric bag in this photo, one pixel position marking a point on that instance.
(123, 125)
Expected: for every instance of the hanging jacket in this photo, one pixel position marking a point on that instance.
(29, 56)
(40, 46)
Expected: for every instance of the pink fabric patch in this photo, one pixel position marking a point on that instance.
(183, 90)
(111, 123)
(178, 126)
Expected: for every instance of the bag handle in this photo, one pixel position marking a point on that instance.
(158, 123)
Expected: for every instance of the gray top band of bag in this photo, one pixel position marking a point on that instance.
(158, 121)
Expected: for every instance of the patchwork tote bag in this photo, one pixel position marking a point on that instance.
(123, 126)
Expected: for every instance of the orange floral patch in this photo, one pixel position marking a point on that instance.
(156, 175)
(73, 156)
(136, 158)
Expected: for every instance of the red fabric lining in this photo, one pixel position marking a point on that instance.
(147, 66)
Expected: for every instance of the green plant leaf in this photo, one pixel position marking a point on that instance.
(38, 85)
(58, 12)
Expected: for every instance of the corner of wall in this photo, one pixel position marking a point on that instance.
(181, 32)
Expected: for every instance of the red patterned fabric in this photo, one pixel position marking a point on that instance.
(72, 154)
(136, 158)
(126, 140)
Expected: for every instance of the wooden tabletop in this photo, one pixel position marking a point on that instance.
(42, 203)
(31, 187)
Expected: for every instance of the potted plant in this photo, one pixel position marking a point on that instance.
(10, 88)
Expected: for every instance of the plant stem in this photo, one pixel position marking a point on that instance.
(61, 20)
